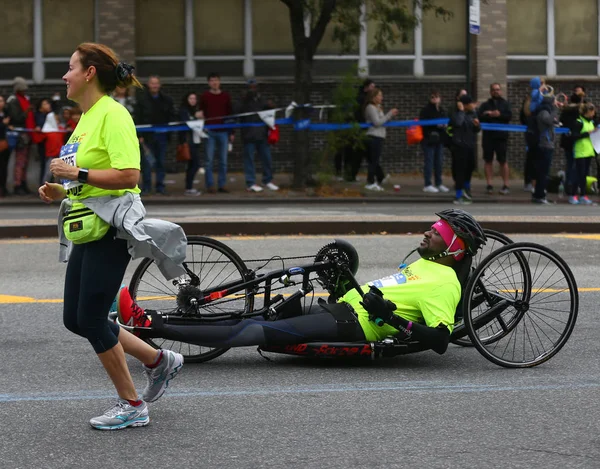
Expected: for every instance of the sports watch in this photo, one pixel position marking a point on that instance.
(83, 175)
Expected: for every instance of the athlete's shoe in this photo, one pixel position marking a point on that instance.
(159, 377)
(129, 312)
(585, 200)
(122, 415)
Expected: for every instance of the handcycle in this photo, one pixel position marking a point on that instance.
(518, 308)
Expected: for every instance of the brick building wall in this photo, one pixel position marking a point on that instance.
(409, 97)
(114, 22)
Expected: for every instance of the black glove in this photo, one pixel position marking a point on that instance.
(377, 306)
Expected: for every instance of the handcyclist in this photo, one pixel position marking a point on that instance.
(419, 301)
(99, 167)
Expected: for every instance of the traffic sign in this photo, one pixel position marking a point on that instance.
(474, 17)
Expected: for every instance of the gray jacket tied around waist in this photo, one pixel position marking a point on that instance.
(163, 241)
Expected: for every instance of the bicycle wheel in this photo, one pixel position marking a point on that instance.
(213, 263)
(495, 240)
(534, 306)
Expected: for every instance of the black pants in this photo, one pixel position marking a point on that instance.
(42, 159)
(4, 158)
(582, 167)
(543, 164)
(93, 278)
(463, 165)
(193, 165)
(532, 155)
(375, 148)
(317, 323)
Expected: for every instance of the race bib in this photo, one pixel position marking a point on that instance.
(68, 153)
(395, 279)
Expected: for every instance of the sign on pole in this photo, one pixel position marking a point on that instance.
(474, 17)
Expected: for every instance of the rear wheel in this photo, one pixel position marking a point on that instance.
(212, 263)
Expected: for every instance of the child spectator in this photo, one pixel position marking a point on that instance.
(583, 151)
(537, 85)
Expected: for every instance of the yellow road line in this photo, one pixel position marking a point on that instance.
(595, 237)
(12, 299)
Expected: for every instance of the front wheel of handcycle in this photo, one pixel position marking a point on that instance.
(521, 305)
(212, 263)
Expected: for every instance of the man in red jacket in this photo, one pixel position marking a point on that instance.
(20, 111)
(215, 104)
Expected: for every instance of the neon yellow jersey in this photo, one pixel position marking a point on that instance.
(425, 292)
(104, 138)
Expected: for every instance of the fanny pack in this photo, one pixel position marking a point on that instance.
(81, 225)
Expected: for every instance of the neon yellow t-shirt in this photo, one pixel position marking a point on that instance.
(424, 292)
(104, 138)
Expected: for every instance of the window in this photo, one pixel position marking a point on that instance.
(219, 27)
(271, 30)
(398, 48)
(527, 27)
(160, 30)
(446, 37)
(576, 28)
(65, 24)
(17, 28)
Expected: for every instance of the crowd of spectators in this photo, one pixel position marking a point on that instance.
(49, 123)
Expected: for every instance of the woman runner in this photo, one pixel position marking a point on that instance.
(102, 158)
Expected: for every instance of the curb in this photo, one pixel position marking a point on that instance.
(212, 200)
(346, 227)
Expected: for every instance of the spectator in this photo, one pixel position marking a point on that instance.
(155, 108)
(584, 151)
(531, 143)
(190, 111)
(5, 153)
(495, 110)
(433, 147)
(546, 118)
(568, 116)
(74, 119)
(579, 91)
(376, 135)
(20, 111)
(54, 133)
(354, 155)
(125, 97)
(44, 108)
(215, 104)
(254, 139)
(465, 126)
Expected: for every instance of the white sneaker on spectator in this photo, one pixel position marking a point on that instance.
(443, 188)
(254, 188)
(386, 179)
(374, 187)
(272, 186)
(192, 192)
(431, 189)
(528, 188)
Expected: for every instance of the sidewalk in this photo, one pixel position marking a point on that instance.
(411, 191)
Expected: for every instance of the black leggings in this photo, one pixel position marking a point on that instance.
(315, 324)
(94, 275)
(463, 165)
(582, 168)
(375, 147)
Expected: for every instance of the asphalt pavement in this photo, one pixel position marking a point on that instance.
(242, 411)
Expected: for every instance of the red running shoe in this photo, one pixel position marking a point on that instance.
(129, 312)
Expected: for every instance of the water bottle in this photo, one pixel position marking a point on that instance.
(561, 190)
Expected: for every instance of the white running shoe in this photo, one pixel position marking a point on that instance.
(374, 187)
(192, 192)
(386, 179)
(431, 189)
(443, 188)
(272, 186)
(159, 377)
(122, 415)
(254, 188)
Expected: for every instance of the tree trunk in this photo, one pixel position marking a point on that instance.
(302, 87)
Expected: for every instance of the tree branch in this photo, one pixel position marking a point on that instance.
(316, 35)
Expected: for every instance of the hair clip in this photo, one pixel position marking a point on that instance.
(124, 70)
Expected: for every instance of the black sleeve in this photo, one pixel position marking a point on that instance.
(436, 339)
(480, 113)
(576, 133)
(506, 113)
